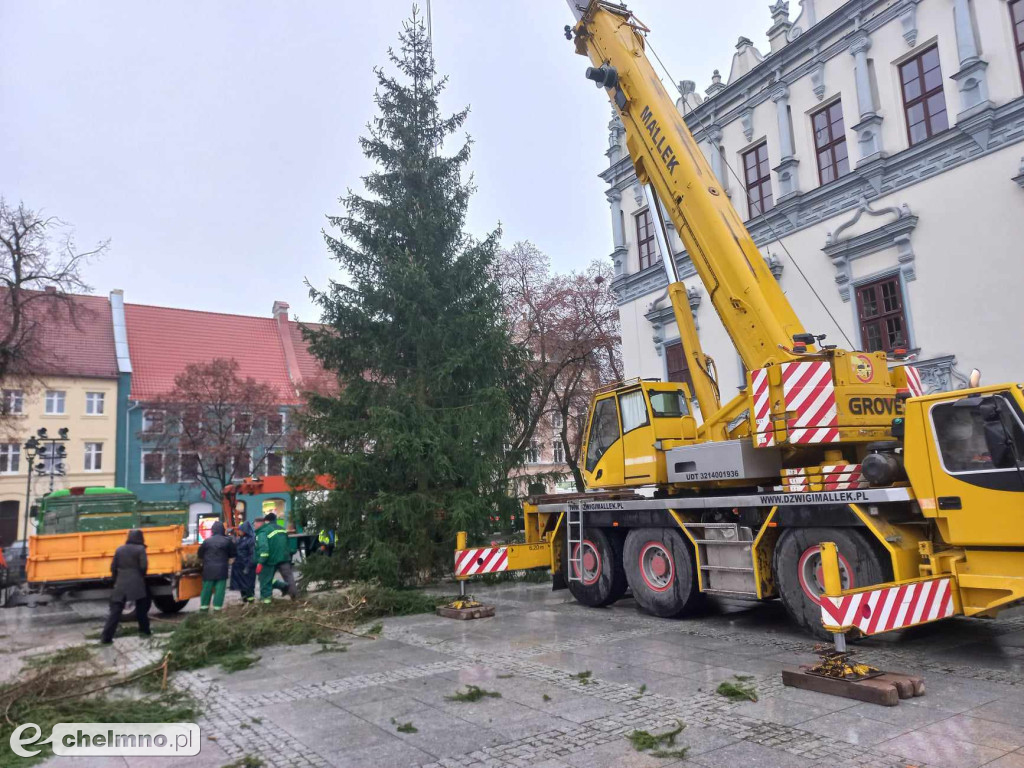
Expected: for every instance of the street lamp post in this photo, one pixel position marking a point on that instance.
(31, 452)
(53, 451)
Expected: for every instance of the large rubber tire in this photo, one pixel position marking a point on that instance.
(661, 571)
(798, 570)
(167, 604)
(604, 581)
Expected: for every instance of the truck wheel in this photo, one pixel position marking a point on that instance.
(167, 604)
(798, 570)
(660, 570)
(603, 581)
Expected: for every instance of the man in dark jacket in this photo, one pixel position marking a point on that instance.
(274, 555)
(129, 570)
(243, 570)
(215, 553)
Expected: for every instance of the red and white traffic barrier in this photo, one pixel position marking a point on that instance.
(882, 610)
(470, 562)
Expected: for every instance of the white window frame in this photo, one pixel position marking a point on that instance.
(96, 453)
(266, 463)
(284, 424)
(55, 397)
(163, 468)
(12, 396)
(11, 450)
(532, 451)
(163, 421)
(556, 449)
(93, 398)
(556, 420)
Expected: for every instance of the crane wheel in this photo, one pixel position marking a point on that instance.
(603, 581)
(798, 570)
(661, 571)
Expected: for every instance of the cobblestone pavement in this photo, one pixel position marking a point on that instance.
(302, 707)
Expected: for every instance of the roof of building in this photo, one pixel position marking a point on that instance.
(163, 341)
(73, 336)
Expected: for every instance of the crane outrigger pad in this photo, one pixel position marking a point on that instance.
(885, 689)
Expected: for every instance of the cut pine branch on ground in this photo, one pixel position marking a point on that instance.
(231, 637)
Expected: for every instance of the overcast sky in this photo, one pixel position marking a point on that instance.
(208, 140)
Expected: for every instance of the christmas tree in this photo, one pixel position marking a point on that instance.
(430, 382)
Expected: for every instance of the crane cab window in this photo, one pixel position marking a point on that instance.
(634, 411)
(604, 431)
(972, 438)
(669, 405)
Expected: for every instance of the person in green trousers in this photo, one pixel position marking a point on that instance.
(215, 552)
(273, 555)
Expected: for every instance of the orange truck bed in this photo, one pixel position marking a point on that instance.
(67, 557)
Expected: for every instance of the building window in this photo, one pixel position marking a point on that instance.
(675, 363)
(830, 143)
(188, 467)
(558, 452)
(645, 239)
(191, 422)
(55, 402)
(153, 422)
(556, 420)
(275, 424)
(883, 323)
(758, 179)
(242, 465)
(1017, 17)
(533, 453)
(94, 403)
(923, 99)
(275, 464)
(152, 467)
(10, 458)
(93, 457)
(242, 423)
(13, 402)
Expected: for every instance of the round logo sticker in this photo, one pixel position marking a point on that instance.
(862, 368)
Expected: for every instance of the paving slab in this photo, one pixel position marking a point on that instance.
(941, 751)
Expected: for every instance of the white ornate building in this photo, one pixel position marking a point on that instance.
(879, 148)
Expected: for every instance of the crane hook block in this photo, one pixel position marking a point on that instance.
(604, 76)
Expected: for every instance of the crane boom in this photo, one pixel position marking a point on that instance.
(756, 314)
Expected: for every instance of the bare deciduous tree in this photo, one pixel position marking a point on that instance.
(222, 426)
(39, 265)
(570, 325)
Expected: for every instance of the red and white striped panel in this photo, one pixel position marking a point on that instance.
(882, 610)
(842, 477)
(470, 562)
(914, 381)
(764, 433)
(808, 391)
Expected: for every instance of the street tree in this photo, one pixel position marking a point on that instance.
(220, 426)
(40, 264)
(569, 322)
(429, 378)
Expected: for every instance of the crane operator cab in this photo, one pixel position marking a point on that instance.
(631, 425)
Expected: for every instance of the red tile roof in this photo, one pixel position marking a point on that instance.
(163, 341)
(74, 335)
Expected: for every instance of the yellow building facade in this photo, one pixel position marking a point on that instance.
(71, 384)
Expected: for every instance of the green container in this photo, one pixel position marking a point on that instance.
(104, 509)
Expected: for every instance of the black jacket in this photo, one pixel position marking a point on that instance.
(129, 569)
(215, 553)
(243, 570)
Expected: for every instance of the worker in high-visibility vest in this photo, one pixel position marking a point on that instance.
(273, 555)
(325, 542)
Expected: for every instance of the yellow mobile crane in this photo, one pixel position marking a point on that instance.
(919, 499)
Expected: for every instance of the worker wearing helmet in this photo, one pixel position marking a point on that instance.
(273, 555)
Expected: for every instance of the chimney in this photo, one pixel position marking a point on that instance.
(778, 33)
(51, 289)
(284, 334)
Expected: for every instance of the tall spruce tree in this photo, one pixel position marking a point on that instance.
(430, 381)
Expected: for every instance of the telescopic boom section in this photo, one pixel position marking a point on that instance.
(755, 312)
